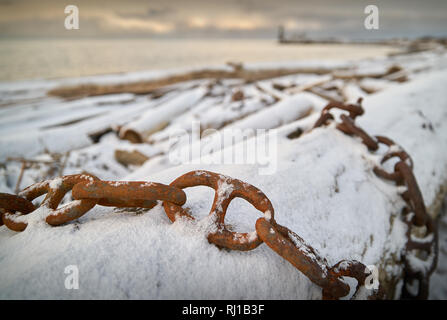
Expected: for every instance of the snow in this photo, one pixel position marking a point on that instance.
(375, 85)
(352, 93)
(36, 219)
(438, 285)
(75, 136)
(163, 113)
(429, 161)
(285, 111)
(56, 183)
(323, 188)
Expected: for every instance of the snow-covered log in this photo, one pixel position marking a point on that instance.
(285, 111)
(32, 141)
(322, 187)
(157, 118)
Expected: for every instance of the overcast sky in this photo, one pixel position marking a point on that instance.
(223, 18)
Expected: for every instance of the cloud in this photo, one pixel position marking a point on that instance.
(198, 22)
(112, 21)
(241, 23)
(210, 18)
(303, 25)
(159, 12)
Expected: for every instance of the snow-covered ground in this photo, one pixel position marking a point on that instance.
(322, 186)
(438, 282)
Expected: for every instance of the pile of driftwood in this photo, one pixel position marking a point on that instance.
(340, 85)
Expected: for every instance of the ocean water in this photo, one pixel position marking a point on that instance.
(43, 59)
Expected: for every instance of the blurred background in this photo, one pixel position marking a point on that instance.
(123, 36)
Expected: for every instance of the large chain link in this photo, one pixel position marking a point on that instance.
(89, 191)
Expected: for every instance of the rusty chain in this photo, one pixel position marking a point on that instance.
(421, 251)
(89, 191)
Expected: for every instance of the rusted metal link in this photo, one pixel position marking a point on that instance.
(422, 287)
(348, 268)
(128, 193)
(226, 189)
(11, 223)
(402, 155)
(323, 119)
(393, 176)
(355, 269)
(55, 191)
(349, 127)
(302, 256)
(426, 241)
(416, 200)
(347, 124)
(421, 271)
(13, 203)
(354, 111)
(147, 204)
(399, 153)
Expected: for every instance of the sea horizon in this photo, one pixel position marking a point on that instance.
(55, 58)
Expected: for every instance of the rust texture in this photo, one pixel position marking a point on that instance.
(128, 193)
(301, 256)
(234, 188)
(13, 203)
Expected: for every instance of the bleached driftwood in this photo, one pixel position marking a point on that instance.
(150, 86)
(155, 119)
(133, 157)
